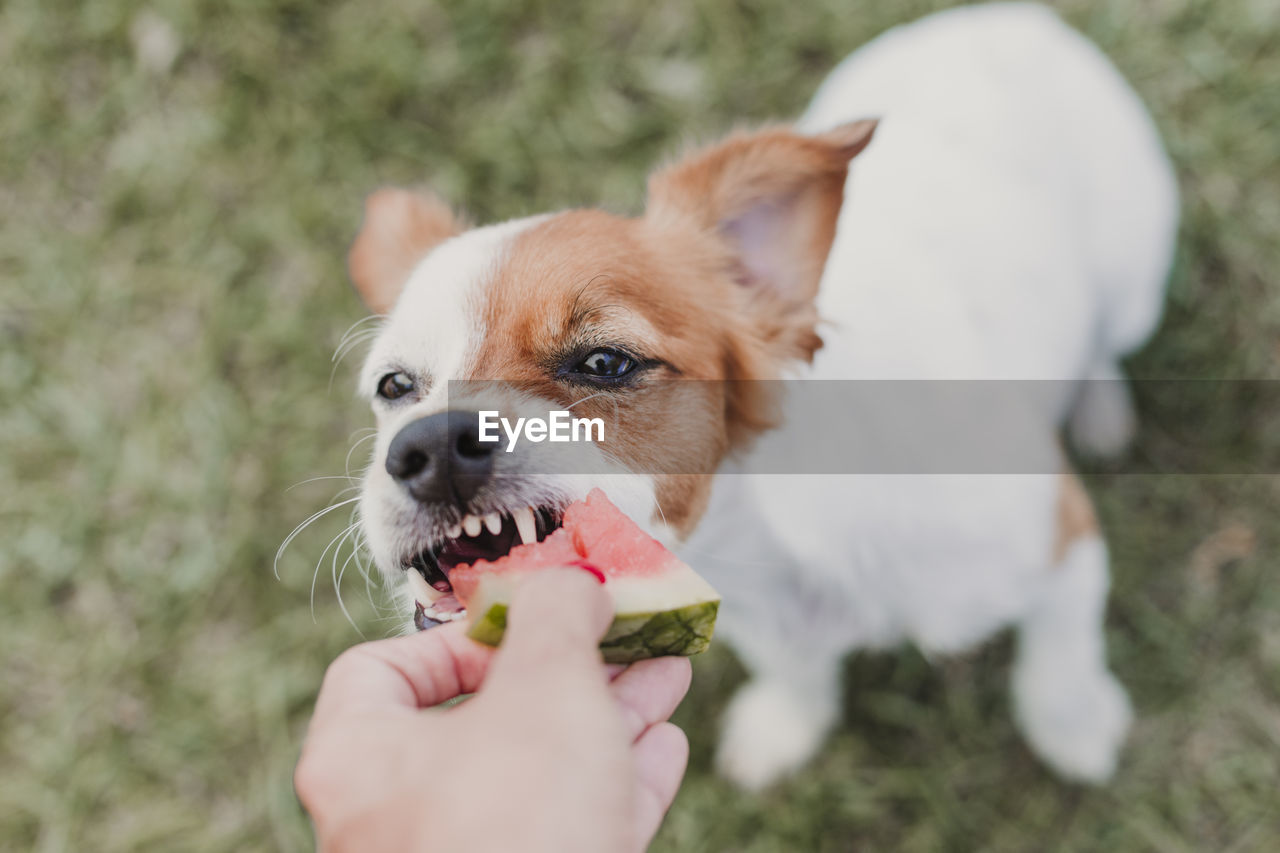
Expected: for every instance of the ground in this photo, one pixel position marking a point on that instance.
(178, 185)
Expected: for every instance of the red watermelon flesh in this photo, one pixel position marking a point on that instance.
(661, 606)
(593, 532)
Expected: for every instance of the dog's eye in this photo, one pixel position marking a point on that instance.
(606, 364)
(394, 385)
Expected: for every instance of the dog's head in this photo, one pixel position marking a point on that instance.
(604, 315)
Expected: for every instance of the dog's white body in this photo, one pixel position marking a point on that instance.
(1014, 219)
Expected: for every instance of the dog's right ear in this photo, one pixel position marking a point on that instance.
(400, 227)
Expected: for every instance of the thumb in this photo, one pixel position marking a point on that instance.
(554, 624)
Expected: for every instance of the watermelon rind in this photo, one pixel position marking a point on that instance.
(684, 631)
(681, 631)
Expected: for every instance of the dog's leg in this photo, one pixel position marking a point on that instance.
(1103, 421)
(777, 722)
(1071, 709)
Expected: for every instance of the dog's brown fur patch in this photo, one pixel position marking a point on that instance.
(1075, 518)
(585, 279)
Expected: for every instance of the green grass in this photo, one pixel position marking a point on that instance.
(171, 251)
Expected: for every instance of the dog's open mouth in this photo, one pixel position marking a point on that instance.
(476, 537)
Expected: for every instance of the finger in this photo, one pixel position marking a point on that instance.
(649, 691)
(416, 671)
(660, 756)
(555, 622)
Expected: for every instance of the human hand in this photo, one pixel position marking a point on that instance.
(554, 752)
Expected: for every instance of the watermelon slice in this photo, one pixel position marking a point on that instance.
(661, 606)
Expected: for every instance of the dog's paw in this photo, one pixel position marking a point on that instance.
(769, 732)
(1076, 725)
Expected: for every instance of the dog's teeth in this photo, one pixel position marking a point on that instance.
(422, 590)
(471, 524)
(525, 526)
(493, 521)
(454, 532)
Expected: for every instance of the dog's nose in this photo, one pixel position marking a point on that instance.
(440, 459)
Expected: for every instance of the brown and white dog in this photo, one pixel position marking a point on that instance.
(1013, 219)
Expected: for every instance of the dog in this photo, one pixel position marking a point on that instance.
(978, 195)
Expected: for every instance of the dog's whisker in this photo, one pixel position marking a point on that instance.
(351, 340)
(347, 477)
(347, 464)
(343, 353)
(337, 574)
(360, 322)
(657, 504)
(315, 575)
(361, 543)
(354, 329)
(348, 346)
(371, 579)
(382, 613)
(589, 397)
(275, 566)
(357, 328)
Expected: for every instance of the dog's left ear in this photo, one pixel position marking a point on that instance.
(772, 197)
(400, 227)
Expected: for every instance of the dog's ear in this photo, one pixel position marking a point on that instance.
(772, 197)
(400, 227)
